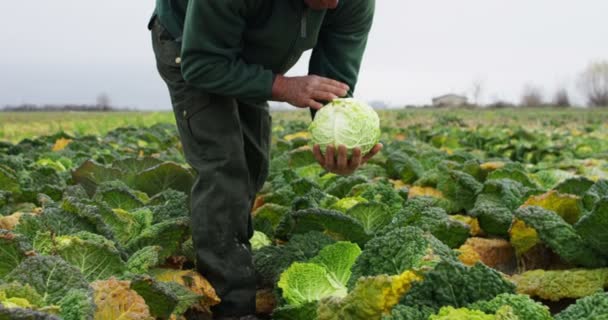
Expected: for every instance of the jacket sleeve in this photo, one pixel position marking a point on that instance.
(342, 42)
(211, 47)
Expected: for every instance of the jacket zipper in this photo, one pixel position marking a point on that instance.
(304, 24)
(303, 34)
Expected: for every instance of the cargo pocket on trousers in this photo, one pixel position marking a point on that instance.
(190, 109)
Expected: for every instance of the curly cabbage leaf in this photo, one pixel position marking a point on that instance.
(420, 213)
(372, 215)
(77, 304)
(338, 225)
(169, 204)
(14, 248)
(259, 240)
(342, 185)
(169, 235)
(370, 299)
(495, 205)
(577, 186)
(167, 175)
(400, 165)
(302, 283)
(144, 259)
(117, 195)
(451, 313)
(555, 285)
(25, 293)
(379, 191)
(96, 257)
(51, 276)
(522, 305)
(270, 261)
(595, 193)
(593, 227)
(560, 236)
(305, 311)
(459, 187)
(206, 297)
(593, 307)
(344, 204)
(401, 312)
(308, 282)
(115, 300)
(159, 297)
(513, 172)
(569, 207)
(400, 250)
(24, 314)
(454, 284)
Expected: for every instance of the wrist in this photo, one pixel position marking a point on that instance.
(278, 88)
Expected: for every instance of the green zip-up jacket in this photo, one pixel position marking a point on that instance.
(235, 47)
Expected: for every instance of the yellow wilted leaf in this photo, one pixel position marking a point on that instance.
(400, 137)
(468, 255)
(115, 300)
(371, 298)
(447, 150)
(567, 206)
(193, 281)
(494, 253)
(297, 135)
(523, 238)
(424, 191)
(398, 184)
(491, 166)
(60, 144)
(400, 285)
(473, 223)
(9, 222)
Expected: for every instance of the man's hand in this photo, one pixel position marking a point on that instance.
(341, 164)
(304, 92)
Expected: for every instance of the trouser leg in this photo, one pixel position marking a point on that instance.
(226, 142)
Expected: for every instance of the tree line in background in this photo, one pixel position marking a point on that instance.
(103, 104)
(592, 82)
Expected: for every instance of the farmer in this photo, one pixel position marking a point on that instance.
(222, 60)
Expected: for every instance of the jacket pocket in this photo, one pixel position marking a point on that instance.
(167, 50)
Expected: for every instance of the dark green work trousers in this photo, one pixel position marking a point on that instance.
(227, 142)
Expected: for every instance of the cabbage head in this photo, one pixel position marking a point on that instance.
(346, 121)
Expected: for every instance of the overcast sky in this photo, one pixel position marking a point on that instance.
(69, 51)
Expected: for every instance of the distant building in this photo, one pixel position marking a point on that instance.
(379, 104)
(450, 100)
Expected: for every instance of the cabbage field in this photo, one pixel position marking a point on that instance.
(464, 215)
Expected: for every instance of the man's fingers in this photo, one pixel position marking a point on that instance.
(324, 96)
(335, 83)
(342, 157)
(329, 158)
(316, 151)
(314, 104)
(355, 160)
(377, 148)
(338, 91)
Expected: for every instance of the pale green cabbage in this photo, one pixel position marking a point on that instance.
(348, 122)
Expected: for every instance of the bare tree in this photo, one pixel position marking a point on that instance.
(103, 101)
(594, 83)
(561, 98)
(531, 97)
(477, 91)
